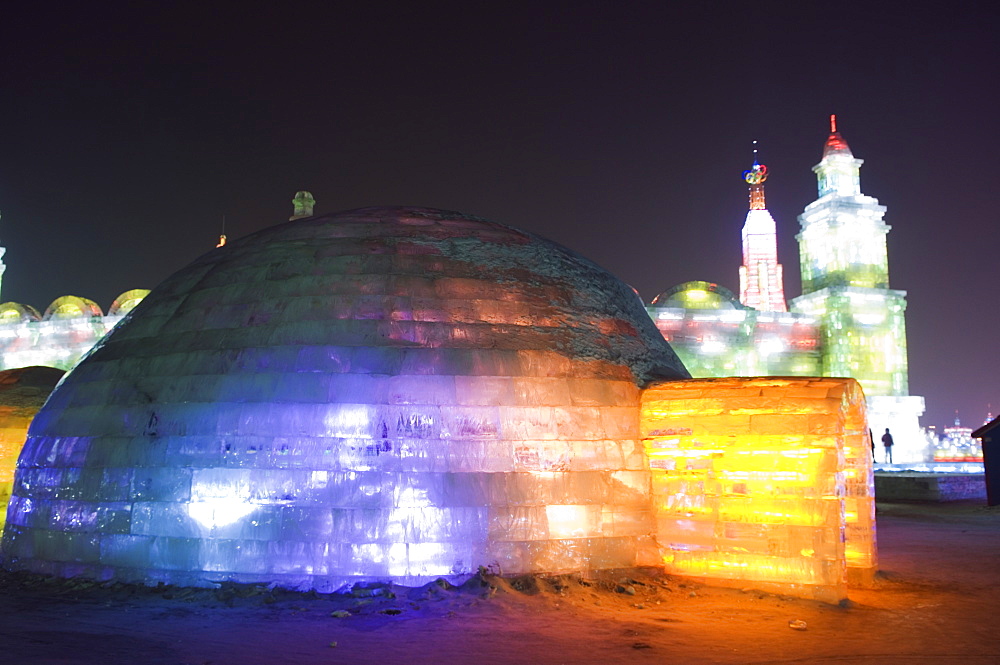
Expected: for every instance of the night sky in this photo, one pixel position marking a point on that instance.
(617, 129)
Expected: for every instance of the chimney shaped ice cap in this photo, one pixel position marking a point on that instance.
(303, 205)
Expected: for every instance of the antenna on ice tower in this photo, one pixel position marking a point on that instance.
(222, 237)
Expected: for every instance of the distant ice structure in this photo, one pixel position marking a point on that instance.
(847, 322)
(761, 283)
(958, 445)
(60, 336)
(396, 393)
(715, 335)
(845, 286)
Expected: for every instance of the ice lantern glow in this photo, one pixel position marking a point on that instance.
(387, 393)
(763, 482)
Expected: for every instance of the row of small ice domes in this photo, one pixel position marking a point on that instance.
(70, 307)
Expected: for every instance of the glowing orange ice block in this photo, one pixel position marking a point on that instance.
(763, 482)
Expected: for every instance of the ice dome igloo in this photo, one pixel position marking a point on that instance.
(385, 393)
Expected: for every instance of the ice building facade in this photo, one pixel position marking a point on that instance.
(403, 394)
(716, 335)
(847, 322)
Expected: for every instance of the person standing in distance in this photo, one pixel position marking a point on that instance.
(887, 442)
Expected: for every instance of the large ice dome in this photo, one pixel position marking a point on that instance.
(384, 393)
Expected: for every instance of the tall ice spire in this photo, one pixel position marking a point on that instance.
(845, 286)
(761, 284)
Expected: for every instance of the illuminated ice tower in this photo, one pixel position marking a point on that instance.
(760, 275)
(845, 285)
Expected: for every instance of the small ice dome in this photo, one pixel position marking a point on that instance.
(698, 295)
(380, 394)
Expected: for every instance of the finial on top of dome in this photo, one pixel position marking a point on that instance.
(303, 205)
(833, 123)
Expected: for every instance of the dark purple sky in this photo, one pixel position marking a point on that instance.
(618, 129)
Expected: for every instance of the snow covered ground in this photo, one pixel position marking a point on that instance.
(935, 602)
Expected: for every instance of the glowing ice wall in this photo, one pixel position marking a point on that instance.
(22, 393)
(380, 394)
(741, 342)
(764, 482)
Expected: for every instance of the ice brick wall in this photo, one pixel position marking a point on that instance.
(383, 393)
(761, 481)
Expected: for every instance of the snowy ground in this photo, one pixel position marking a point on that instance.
(936, 602)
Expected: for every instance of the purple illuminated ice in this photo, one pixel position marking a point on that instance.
(386, 393)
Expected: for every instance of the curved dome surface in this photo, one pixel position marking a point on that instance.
(698, 295)
(385, 393)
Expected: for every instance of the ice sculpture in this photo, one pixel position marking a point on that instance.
(22, 393)
(384, 393)
(763, 482)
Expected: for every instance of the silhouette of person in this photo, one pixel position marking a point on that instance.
(887, 442)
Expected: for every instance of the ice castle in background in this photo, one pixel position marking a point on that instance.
(847, 322)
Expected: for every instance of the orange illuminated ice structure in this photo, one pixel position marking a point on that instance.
(763, 482)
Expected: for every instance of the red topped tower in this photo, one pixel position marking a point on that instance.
(761, 284)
